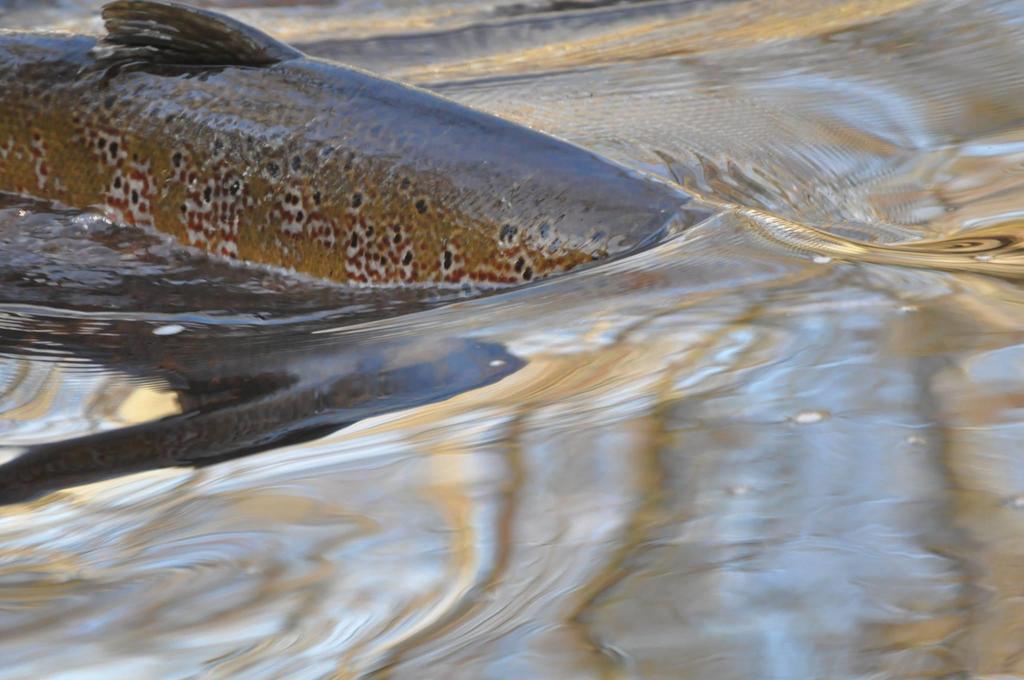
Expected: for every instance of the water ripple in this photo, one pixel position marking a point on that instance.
(781, 443)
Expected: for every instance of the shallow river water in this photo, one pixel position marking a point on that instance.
(785, 443)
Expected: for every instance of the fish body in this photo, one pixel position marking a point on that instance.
(203, 128)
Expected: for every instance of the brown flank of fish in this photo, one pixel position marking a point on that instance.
(201, 127)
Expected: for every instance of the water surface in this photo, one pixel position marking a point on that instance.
(783, 444)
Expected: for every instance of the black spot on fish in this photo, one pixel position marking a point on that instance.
(296, 163)
(520, 263)
(354, 241)
(421, 206)
(207, 194)
(407, 260)
(383, 259)
(544, 230)
(357, 199)
(447, 259)
(398, 238)
(235, 186)
(184, 208)
(135, 196)
(176, 159)
(135, 157)
(101, 143)
(117, 182)
(109, 102)
(218, 145)
(316, 197)
(273, 169)
(508, 233)
(528, 274)
(369, 231)
(300, 216)
(405, 183)
(113, 150)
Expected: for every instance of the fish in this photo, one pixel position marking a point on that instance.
(193, 124)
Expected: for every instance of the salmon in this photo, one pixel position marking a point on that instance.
(193, 124)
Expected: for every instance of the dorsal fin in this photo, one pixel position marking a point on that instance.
(159, 32)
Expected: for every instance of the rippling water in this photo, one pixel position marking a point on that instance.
(782, 444)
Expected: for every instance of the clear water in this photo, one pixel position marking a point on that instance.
(785, 444)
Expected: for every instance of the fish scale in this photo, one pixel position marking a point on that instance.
(196, 125)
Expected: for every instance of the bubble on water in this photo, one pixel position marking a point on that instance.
(916, 440)
(738, 490)
(908, 309)
(821, 259)
(496, 363)
(169, 329)
(983, 258)
(87, 220)
(809, 417)
(1017, 502)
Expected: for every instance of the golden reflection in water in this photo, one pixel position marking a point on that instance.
(716, 26)
(995, 250)
(34, 393)
(28, 394)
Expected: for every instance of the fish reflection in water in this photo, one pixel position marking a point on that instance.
(250, 399)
